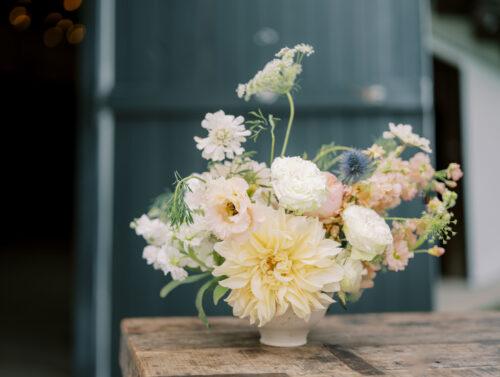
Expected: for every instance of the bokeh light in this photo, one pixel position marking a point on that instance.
(53, 36)
(19, 18)
(75, 33)
(16, 12)
(53, 18)
(71, 5)
(22, 22)
(65, 24)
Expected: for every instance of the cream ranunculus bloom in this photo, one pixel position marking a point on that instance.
(285, 261)
(298, 184)
(367, 232)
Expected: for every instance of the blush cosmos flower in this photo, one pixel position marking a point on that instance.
(285, 262)
(225, 135)
(367, 232)
(298, 184)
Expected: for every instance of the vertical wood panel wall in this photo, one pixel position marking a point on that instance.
(177, 59)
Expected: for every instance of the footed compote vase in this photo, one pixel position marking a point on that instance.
(288, 330)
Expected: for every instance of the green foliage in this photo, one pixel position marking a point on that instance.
(199, 300)
(327, 156)
(175, 283)
(218, 259)
(219, 292)
(342, 299)
(389, 145)
(259, 123)
(177, 211)
(159, 207)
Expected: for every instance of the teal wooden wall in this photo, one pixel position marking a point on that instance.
(176, 60)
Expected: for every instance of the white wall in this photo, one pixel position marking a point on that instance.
(481, 137)
(480, 91)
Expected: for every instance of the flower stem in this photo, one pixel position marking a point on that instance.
(421, 251)
(290, 122)
(420, 241)
(273, 140)
(399, 218)
(191, 254)
(328, 151)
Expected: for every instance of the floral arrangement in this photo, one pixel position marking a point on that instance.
(300, 233)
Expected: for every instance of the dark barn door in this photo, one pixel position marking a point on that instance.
(156, 67)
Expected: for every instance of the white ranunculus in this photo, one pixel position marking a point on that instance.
(353, 275)
(367, 232)
(298, 184)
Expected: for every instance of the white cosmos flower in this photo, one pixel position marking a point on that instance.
(367, 232)
(404, 132)
(284, 262)
(298, 184)
(154, 231)
(225, 135)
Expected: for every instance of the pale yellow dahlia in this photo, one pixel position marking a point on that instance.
(284, 262)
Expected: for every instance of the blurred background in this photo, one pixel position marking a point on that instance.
(101, 100)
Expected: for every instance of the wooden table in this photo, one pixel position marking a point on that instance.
(417, 344)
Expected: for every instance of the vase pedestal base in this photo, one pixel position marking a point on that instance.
(288, 330)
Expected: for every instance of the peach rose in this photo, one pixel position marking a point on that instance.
(333, 203)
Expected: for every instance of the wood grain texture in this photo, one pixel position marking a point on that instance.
(417, 344)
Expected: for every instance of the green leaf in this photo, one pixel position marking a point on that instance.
(175, 283)
(219, 292)
(342, 299)
(199, 300)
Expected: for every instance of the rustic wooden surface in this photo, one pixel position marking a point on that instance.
(417, 344)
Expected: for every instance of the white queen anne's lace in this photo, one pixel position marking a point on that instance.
(279, 75)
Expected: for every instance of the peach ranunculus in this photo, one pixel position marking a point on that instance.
(333, 203)
(228, 207)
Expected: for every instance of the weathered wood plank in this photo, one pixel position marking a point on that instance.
(417, 344)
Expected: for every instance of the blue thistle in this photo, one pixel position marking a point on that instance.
(354, 166)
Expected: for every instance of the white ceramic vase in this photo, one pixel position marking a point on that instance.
(288, 330)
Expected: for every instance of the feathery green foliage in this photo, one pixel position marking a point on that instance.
(177, 210)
